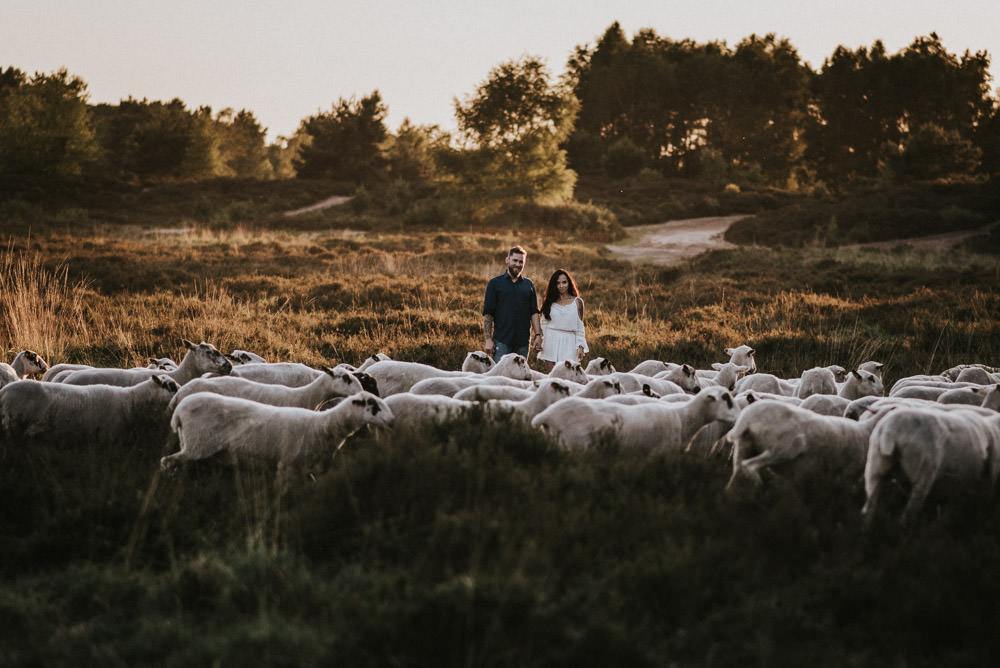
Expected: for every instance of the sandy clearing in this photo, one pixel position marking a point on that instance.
(666, 243)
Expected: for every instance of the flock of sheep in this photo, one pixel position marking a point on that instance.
(933, 432)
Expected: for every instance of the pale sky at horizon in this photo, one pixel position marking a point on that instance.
(289, 60)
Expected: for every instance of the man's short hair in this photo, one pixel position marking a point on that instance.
(518, 250)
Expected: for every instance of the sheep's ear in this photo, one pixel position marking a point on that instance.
(716, 366)
(855, 373)
(751, 397)
(688, 369)
(730, 351)
(568, 365)
(188, 344)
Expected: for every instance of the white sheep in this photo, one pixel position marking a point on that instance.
(871, 366)
(449, 386)
(63, 367)
(600, 366)
(818, 380)
(934, 450)
(288, 374)
(576, 423)
(569, 370)
(200, 359)
(411, 409)
(724, 375)
(767, 383)
(329, 384)
(743, 356)
(549, 392)
(394, 376)
(826, 404)
(485, 392)
(684, 375)
(861, 383)
(974, 374)
(24, 364)
(971, 396)
(372, 359)
(796, 443)
(239, 356)
(651, 367)
(477, 362)
(207, 425)
(34, 410)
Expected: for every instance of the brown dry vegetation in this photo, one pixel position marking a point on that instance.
(466, 544)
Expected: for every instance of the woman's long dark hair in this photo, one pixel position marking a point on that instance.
(552, 292)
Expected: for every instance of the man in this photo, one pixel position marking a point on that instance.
(510, 311)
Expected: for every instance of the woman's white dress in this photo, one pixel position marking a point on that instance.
(562, 334)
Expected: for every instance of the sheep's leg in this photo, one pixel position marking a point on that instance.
(922, 480)
(873, 487)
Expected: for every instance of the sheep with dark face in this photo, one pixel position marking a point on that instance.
(25, 363)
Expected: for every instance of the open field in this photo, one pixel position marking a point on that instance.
(462, 545)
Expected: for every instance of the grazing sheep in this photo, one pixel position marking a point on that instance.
(576, 423)
(289, 374)
(861, 383)
(826, 404)
(724, 375)
(684, 375)
(818, 380)
(200, 359)
(395, 376)
(244, 357)
(207, 425)
(61, 368)
(767, 383)
(372, 359)
(871, 366)
(651, 367)
(411, 409)
(599, 366)
(485, 392)
(970, 396)
(797, 443)
(449, 386)
(330, 384)
(24, 364)
(569, 370)
(974, 374)
(548, 393)
(161, 363)
(477, 362)
(73, 415)
(934, 450)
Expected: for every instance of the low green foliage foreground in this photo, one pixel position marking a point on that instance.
(468, 544)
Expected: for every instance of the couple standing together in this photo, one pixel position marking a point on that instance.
(511, 314)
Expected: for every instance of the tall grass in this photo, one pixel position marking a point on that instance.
(466, 544)
(41, 309)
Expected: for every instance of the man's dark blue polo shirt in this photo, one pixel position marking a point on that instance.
(511, 303)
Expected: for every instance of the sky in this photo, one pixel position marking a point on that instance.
(288, 60)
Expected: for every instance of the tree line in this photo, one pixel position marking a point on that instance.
(752, 113)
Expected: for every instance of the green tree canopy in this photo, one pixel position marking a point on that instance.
(45, 127)
(345, 143)
(241, 145)
(512, 128)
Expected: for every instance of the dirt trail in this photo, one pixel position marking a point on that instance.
(328, 202)
(665, 243)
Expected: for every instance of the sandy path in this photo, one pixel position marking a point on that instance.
(665, 243)
(328, 202)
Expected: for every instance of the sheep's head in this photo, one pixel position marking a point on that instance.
(32, 362)
(208, 358)
(477, 362)
(345, 383)
(374, 410)
(743, 356)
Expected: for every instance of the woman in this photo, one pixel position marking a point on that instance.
(563, 333)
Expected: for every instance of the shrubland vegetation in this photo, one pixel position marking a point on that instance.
(464, 544)
(131, 226)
